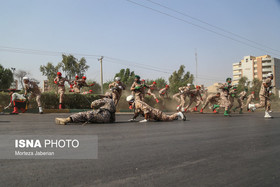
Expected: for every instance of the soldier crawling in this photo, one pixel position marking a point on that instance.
(149, 112)
(104, 112)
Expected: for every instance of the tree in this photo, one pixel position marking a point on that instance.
(161, 82)
(20, 74)
(256, 86)
(6, 78)
(127, 76)
(50, 71)
(180, 78)
(242, 84)
(72, 66)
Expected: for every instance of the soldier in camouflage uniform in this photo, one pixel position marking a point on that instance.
(195, 96)
(164, 92)
(181, 96)
(32, 87)
(224, 98)
(241, 99)
(149, 112)
(104, 112)
(264, 94)
(213, 100)
(81, 83)
(60, 81)
(232, 96)
(151, 89)
(117, 87)
(137, 89)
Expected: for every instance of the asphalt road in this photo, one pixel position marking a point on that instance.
(206, 150)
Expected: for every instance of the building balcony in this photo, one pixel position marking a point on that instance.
(236, 73)
(267, 70)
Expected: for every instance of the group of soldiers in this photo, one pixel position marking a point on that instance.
(20, 101)
(105, 108)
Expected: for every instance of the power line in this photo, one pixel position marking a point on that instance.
(214, 26)
(201, 27)
(111, 60)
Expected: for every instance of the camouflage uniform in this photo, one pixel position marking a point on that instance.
(264, 95)
(78, 84)
(32, 87)
(76, 88)
(117, 91)
(141, 107)
(61, 88)
(104, 112)
(249, 99)
(195, 96)
(151, 89)
(241, 98)
(138, 93)
(204, 94)
(163, 92)
(212, 99)
(232, 96)
(181, 96)
(224, 98)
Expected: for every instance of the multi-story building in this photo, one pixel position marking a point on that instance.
(257, 67)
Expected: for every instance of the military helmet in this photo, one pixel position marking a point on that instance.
(137, 76)
(117, 79)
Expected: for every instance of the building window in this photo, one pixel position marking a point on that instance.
(247, 60)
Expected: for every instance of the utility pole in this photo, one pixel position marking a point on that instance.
(196, 67)
(101, 73)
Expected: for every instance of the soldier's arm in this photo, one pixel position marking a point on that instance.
(97, 103)
(25, 89)
(111, 85)
(55, 80)
(132, 87)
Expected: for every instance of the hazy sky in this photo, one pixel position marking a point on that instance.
(122, 30)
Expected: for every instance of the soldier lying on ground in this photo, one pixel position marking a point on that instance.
(149, 112)
(103, 112)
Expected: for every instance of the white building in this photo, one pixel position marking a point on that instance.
(257, 67)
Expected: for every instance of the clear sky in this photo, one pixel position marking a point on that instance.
(122, 30)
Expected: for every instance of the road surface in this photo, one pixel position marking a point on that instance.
(206, 150)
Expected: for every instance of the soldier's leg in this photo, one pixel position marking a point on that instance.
(268, 104)
(262, 102)
(165, 117)
(177, 97)
(183, 100)
(205, 105)
(38, 99)
(190, 103)
(61, 92)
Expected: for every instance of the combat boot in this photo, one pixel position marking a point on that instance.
(15, 110)
(201, 111)
(240, 112)
(60, 106)
(62, 121)
(157, 100)
(226, 113)
(267, 115)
